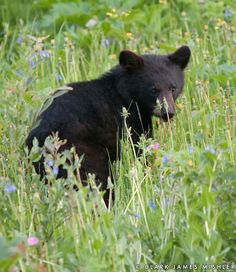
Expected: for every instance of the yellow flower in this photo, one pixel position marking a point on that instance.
(190, 163)
(198, 40)
(37, 197)
(125, 14)
(112, 14)
(109, 14)
(220, 23)
(112, 56)
(180, 106)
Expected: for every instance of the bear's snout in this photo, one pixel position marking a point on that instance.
(168, 108)
(165, 107)
(164, 114)
(167, 116)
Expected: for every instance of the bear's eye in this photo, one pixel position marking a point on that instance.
(154, 90)
(172, 88)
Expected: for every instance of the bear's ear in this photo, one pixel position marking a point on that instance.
(181, 56)
(130, 61)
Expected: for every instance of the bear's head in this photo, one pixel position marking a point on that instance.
(154, 82)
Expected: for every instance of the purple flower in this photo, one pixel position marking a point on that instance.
(9, 188)
(32, 241)
(58, 77)
(55, 170)
(149, 147)
(165, 159)
(44, 54)
(190, 149)
(31, 61)
(153, 146)
(210, 149)
(136, 215)
(151, 204)
(105, 42)
(50, 163)
(228, 14)
(19, 40)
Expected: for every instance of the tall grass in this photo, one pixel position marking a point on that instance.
(174, 204)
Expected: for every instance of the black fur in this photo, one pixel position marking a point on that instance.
(90, 115)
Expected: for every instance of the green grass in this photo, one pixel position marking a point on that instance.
(182, 211)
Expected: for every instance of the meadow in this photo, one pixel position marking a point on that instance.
(175, 207)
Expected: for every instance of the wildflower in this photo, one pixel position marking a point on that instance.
(112, 56)
(228, 14)
(149, 147)
(31, 61)
(32, 64)
(210, 149)
(50, 163)
(55, 170)
(151, 204)
(128, 35)
(164, 2)
(198, 40)
(180, 106)
(44, 54)
(105, 42)
(58, 77)
(190, 163)
(153, 146)
(125, 14)
(91, 23)
(165, 159)
(9, 188)
(136, 215)
(37, 196)
(52, 42)
(109, 14)
(19, 40)
(190, 149)
(32, 241)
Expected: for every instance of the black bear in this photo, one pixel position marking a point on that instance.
(89, 114)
